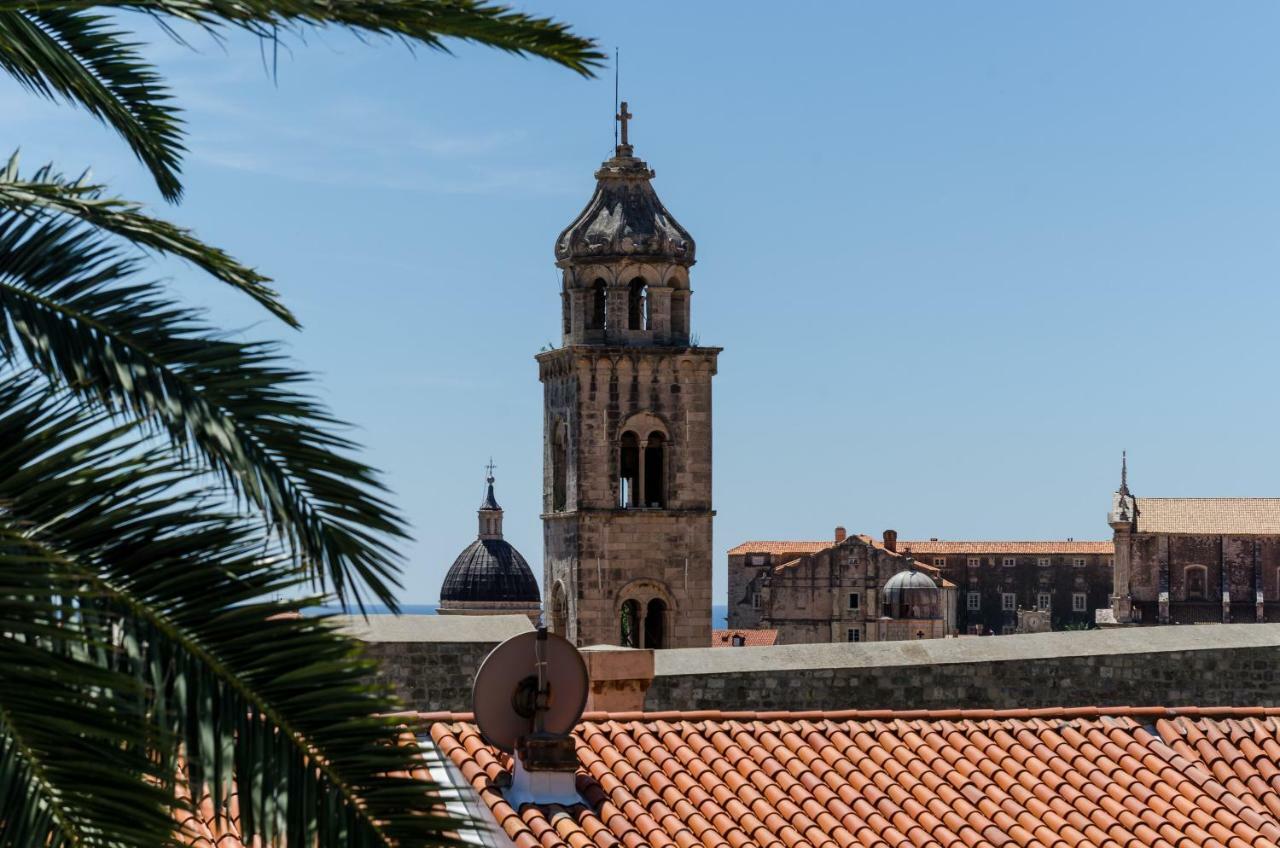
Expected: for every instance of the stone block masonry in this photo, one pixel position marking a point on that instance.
(1210, 665)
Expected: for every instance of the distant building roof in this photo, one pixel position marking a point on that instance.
(751, 638)
(1247, 516)
(939, 547)
(1095, 776)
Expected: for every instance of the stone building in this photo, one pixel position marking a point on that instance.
(992, 579)
(627, 425)
(852, 589)
(490, 577)
(1194, 560)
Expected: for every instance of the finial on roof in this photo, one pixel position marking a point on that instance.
(622, 117)
(488, 471)
(1124, 473)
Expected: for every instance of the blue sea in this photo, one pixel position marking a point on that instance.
(719, 614)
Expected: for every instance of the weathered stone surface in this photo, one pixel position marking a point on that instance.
(1169, 666)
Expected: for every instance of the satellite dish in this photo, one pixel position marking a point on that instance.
(531, 683)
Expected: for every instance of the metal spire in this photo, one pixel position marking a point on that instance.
(1124, 473)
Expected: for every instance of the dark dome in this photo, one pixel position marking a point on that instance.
(625, 219)
(490, 570)
(911, 594)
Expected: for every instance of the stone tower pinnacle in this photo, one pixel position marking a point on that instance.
(627, 424)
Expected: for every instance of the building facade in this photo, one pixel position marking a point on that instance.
(1194, 560)
(992, 580)
(627, 426)
(850, 589)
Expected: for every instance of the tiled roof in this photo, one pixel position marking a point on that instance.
(1209, 515)
(1062, 778)
(754, 638)
(1045, 547)
(933, 546)
(781, 547)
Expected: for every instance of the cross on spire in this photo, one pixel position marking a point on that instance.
(488, 470)
(622, 117)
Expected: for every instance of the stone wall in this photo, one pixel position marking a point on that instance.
(1170, 666)
(431, 660)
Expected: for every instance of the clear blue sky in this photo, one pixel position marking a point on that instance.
(958, 255)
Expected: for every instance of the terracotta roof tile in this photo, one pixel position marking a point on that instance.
(752, 638)
(1209, 515)
(936, 547)
(1092, 778)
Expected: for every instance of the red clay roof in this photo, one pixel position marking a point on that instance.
(1064, 778)
(933, 546)
(754, 638)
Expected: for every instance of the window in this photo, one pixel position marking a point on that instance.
(855, 634)
(1044, 562)
(1078, 562)
(1008, 601)
(655, 467)
(1108, 562)
(855, 601)
(755, 600)
(559, 468)
(739, 640)
(1010, 562)
(1079, 602)
(629, 471)
(939, 562)
(973, 602)
(638, 305)
(1042, 601)
(599, 304)
(759, 559)
(974, 562)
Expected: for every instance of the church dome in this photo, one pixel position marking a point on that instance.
(624, 218)
(490, 570)
(911, 594)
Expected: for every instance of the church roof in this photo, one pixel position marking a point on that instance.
(751, 638)
(490, 570)
(934, 546)
(1095, 776)
(624, 218)
(1246, 516)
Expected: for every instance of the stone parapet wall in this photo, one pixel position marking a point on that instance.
(1212, 665)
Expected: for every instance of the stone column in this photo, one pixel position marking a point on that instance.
(660, 311)
(1162, 555)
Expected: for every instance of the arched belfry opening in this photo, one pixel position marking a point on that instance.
(598, 317)
(638, 304)
(629, 471)
(655, 624)
(629, 624)
(559, 467)
(655, 470)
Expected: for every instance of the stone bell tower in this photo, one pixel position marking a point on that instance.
(627, 426)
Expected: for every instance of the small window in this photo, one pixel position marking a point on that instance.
(1078, 562)
(939, 562)
(1044, 562)
(739, 640)
(1042, 601)
(755, 600)
(855, 634)
(759, 559)
(973, 602)
(974, 562)
(1079, 602)
(855, 601)
(1010, 562)
(1108, 562)
(1008, 601)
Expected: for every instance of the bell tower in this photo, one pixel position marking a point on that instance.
(627, 425)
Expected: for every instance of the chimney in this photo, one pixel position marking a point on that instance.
(891, 540)
(620, 677)
(840, 535)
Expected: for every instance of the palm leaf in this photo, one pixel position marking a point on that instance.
(70, 307)
(249, 695)
(81, 58)
(47, 192)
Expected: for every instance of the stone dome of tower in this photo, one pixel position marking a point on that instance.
(490, 576)
(624, 218)
(911, 594)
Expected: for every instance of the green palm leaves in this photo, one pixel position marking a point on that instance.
(163, 485)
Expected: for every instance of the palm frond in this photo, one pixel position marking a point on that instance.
(79, 57)
(426, 22)
(70, 306)
(247, 694)
(47, 192)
